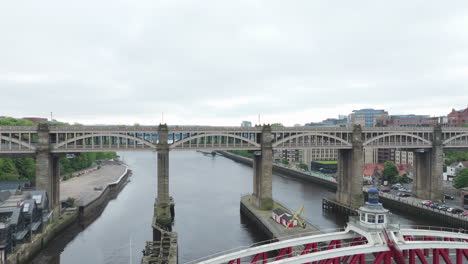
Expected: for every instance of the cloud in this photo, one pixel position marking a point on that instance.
(221, 62)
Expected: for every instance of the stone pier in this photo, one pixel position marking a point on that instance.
(263, 171)
(349, 174)
(164, 204)
(428, 182)
(47, 169)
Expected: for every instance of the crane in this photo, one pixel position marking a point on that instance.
(297, 217)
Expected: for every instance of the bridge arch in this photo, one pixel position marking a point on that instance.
(284, 140)
(369, 141)
(180, 142)
(149, 144)
(19, 142)
(455, 137)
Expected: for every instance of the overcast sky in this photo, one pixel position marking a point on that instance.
(220, 62)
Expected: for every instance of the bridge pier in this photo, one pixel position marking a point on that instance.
(263, 171)
(162, 207)
(349, 174)
(48, 170)
(428, 182)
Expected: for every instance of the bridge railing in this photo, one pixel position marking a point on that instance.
(265, 242)
(435, 228)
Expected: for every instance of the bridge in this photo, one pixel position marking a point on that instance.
(47, 143)
(374, 236)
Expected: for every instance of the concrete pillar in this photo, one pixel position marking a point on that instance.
(428, 182)
(437, 166)
(162, 206)
(47, 169)
(263, 171)
(349, 174)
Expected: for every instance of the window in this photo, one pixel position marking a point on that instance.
(363, 217)
(371, 218)
(381, 219)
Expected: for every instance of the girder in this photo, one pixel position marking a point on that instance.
(224, 138)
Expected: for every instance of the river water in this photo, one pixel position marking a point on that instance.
(207, 192)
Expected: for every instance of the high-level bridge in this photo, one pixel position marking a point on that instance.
(47, 143)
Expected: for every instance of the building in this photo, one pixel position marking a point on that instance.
(292, 155)
(22, 213)
(404, 157)
(454, 168)
(458, 117)
(309, 155)
(366, 117)
(407, 121)
(246, 124)
(330, 122)
(283, 217)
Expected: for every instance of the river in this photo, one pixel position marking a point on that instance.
(207, 193)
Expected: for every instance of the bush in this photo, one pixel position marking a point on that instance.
(70, 201)
(461, 180)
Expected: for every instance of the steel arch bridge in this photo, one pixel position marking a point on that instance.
(356, 246)
(72, 139)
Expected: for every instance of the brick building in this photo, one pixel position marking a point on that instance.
(458, 117)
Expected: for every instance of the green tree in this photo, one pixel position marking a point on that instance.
(277, 125)
(403, 178)
(303, 166)
(461, 180)
(285, 161)
(455, 156)
(26, 168)
(390, 172)
(8, 170)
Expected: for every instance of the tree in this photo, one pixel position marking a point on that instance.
(277, 125)
(461, 180)
(8, 170)
(303, 166)
(403, 178)
(285, 161)
(390, 172)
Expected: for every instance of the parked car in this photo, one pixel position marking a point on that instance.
(465, 213)
(424, 202)
(442, 207)
(456, 211)
(450, 197)
(402, 194)
(434, 205)
(429, 203)
(402, 189)
(385, 189)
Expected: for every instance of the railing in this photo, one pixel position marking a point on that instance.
(265, 242)
(418, 204)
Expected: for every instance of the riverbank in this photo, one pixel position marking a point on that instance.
(90, 204)
(327, 182)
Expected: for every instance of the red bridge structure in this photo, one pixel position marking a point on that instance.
(374, 236)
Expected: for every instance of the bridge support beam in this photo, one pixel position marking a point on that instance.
(349, 174)
(48, 170)
(162, 208)
(263, 170)
(428, 182)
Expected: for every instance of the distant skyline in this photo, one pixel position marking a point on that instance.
(221, 62)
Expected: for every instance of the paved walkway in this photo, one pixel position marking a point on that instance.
(82, 188)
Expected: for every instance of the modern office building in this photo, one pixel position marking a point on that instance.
(246, 124)
(366, 117)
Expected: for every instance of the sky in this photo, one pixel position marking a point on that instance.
(216, 62)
